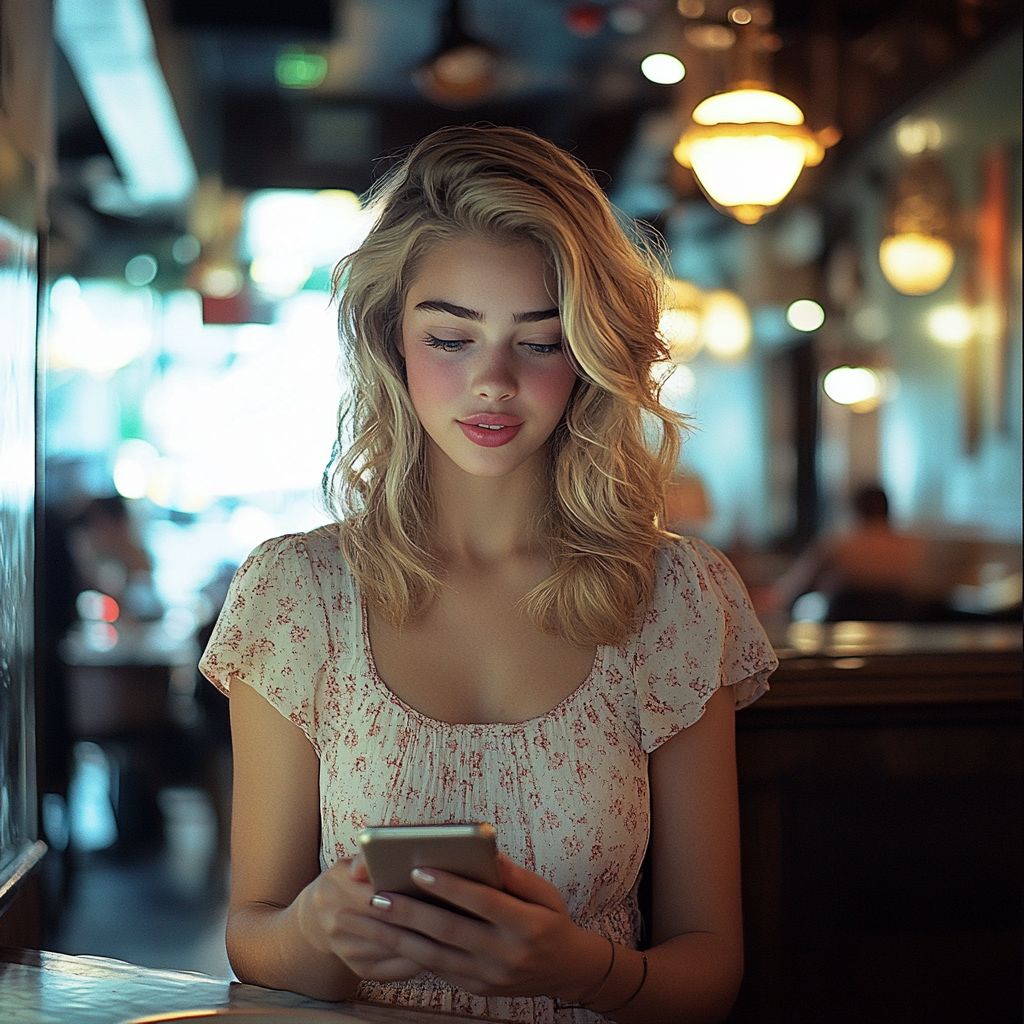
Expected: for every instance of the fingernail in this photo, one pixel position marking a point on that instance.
(380, 902)
(423, 876)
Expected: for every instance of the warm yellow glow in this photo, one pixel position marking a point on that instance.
(220, 281)
(680, 324)
(747, 148)
(750, 174)
(744, 106)
(951, 325)
(916, 264)
(680, 328)
(916, 135)
(805, 315)
(856, 386)
(725, 325)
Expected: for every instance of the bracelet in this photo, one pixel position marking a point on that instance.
(643, 980)
(584, 1003)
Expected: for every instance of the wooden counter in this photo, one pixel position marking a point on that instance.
(880, 794)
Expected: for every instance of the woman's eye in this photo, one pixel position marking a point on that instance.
(544, 349)
(443, 344)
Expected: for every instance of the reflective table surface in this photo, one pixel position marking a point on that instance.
(53, 988)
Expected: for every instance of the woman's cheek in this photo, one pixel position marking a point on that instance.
(430, 382)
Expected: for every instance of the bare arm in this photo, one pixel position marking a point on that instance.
(290, 925)
(275, 838)
(696, 963)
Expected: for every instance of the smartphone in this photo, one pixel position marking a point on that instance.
(392, 851)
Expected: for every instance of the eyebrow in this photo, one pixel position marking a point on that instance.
(440, 305)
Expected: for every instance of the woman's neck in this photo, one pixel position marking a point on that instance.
(482, 519)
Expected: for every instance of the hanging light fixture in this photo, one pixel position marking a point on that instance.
(917, 254)
(747, 146)
(463, 71)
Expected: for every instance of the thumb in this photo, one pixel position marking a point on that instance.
(528, 886)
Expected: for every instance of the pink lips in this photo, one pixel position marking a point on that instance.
(490, 430)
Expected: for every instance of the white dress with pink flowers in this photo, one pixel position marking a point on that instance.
(567, 791)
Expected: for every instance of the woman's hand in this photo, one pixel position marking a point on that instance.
(522, 942)
(335, 916)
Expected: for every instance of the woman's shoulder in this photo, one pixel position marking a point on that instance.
(315, 550)
(686, 562)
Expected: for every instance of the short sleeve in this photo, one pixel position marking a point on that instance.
(271, 631)
(700, 632)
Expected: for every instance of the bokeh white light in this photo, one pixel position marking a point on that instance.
(854, 386)
(805, 315)
(951, 325)
(662, 69)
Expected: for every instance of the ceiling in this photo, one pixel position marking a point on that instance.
(849, 63)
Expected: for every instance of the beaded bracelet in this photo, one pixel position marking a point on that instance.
(636, 992)
(585, 1003)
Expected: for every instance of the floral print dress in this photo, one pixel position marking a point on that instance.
(567, 792)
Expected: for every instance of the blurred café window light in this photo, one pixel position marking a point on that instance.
(691, 8)
(725, 324)
(951, 325)
(677, 381)
(134, 465)
(858, 387)
(262, 422)
(97, 326)
(317, 228)
(805, 315)
(280, 275)
(662, 69)
(917, 134)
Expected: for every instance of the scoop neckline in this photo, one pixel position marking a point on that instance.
(554, 712)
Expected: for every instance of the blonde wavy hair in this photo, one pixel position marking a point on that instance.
(616, 445)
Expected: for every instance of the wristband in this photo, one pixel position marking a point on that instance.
(585, 1002)
(636, 992)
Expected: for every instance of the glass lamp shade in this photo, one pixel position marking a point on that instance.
(915, 263)
(747, 148)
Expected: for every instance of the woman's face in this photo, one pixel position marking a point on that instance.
(482, 343)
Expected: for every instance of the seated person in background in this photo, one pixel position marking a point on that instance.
(870, 573)
(497, 628)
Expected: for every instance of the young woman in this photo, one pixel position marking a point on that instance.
(497, 629)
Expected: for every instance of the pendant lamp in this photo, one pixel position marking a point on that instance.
(917, 255)
(747, 147)
(463, 71)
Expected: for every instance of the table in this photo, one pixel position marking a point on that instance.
(37, 987)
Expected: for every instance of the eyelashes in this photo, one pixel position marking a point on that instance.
(444, 346)
(542, 349)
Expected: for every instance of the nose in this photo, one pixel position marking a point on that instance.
(495, 380)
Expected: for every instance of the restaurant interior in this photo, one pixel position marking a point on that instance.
(837, 185)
